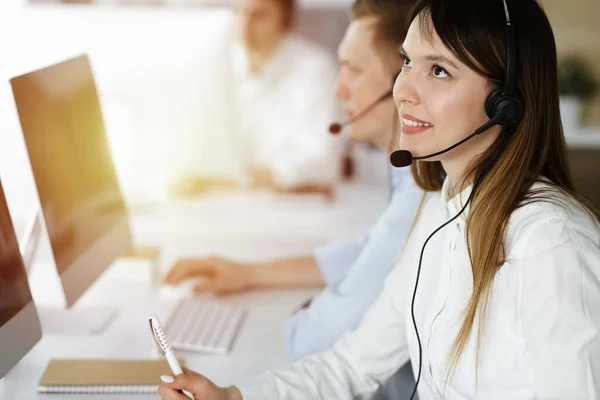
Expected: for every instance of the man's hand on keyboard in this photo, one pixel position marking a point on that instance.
(196, 384)
(223, 277)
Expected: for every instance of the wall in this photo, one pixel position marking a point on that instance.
(577, 31)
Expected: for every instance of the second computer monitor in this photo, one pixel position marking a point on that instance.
(81, 200)
(20, 326)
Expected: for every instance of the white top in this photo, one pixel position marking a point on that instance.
(542, 338)
(285, 113)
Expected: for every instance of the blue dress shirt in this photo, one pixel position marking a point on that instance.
(354, 272)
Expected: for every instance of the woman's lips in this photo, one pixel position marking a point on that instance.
(412, 125)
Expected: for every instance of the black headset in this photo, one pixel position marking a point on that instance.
(507, 100)
(506, 107)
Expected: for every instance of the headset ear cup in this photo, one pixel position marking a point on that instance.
(491, 103)
(515, 109)
(511, 106)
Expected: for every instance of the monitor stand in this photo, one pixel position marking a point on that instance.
(56, 319)
(82, 321)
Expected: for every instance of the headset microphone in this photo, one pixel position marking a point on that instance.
(403, 158)
(336, 127)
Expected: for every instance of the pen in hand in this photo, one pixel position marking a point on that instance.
(161, 340)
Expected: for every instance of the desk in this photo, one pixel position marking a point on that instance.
(242, 226)
(261, 216)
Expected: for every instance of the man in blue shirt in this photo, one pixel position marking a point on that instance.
(352, 271)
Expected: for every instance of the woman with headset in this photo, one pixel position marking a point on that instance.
(496, 294)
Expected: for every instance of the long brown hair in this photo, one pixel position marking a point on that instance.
(474, 31)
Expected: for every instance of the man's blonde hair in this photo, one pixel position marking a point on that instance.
(390, 28)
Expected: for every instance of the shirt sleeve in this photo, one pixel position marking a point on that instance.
(342, 304)
(357, 365)
(560, 294)
(335, 258)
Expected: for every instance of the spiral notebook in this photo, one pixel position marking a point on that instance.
(103, 376)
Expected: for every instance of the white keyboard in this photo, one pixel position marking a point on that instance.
(204, 326)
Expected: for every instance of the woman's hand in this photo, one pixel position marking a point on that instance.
(199, 386)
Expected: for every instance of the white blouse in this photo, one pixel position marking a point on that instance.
(541, 339)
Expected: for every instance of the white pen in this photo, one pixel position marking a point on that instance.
(161, 341)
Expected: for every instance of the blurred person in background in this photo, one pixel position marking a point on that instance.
(284, 87)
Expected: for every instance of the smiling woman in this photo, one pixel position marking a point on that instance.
(441, 92)
(449, 72)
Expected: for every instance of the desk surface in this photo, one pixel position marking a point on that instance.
(262, 216)
(250, 227)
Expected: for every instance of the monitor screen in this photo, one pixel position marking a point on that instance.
(70, 157)
(14, 288)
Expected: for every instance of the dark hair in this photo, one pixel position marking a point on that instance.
(475, 32)
(288, 11)
(390, 14)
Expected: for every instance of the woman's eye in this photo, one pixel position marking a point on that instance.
(406, 62)
(439, 72)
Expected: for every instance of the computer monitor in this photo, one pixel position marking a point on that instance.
(20, 326)
(79, 193)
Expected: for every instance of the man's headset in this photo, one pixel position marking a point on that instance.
(336, 127)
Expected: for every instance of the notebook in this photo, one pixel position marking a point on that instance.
(103, 376)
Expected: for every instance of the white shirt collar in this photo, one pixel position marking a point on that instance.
(457, 202)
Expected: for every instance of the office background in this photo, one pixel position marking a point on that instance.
(150, 60)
